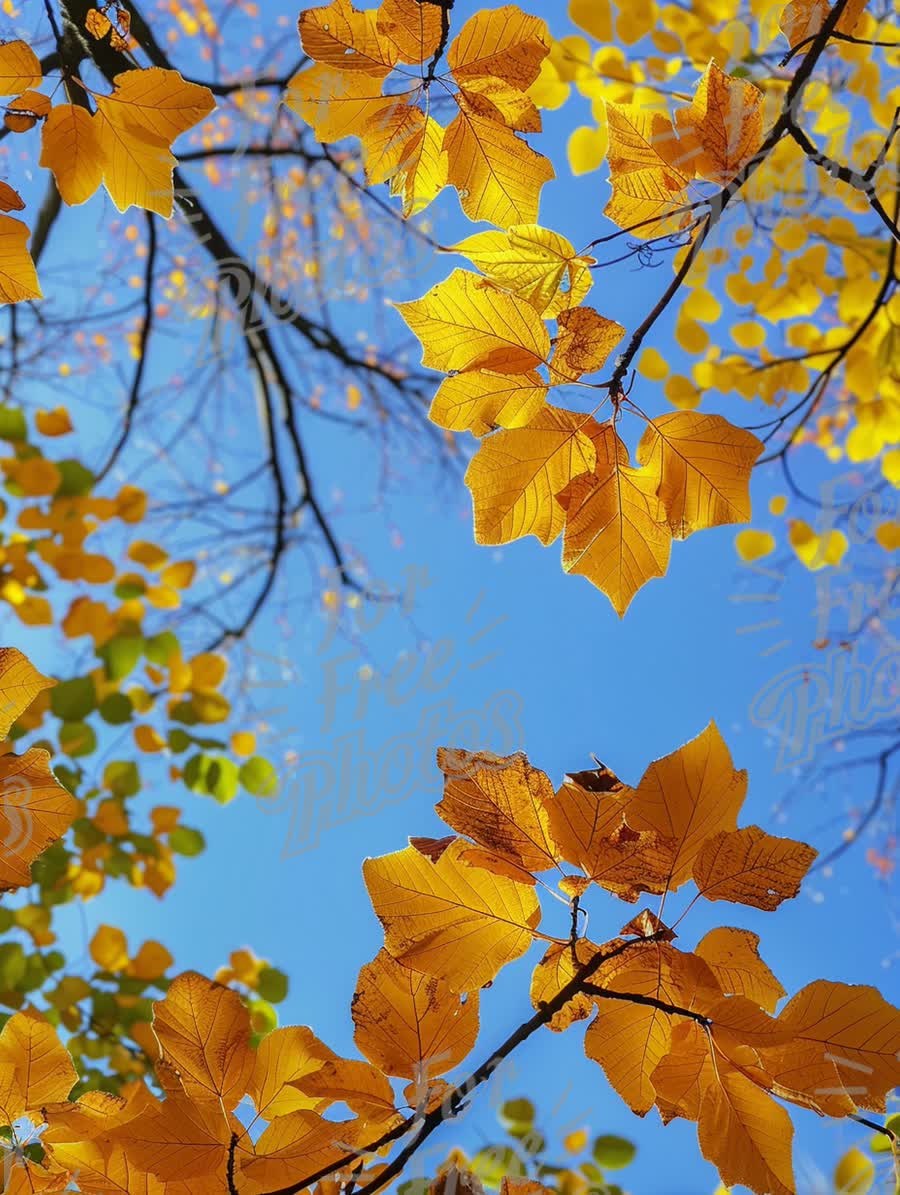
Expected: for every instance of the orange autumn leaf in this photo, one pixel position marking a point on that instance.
(70, 147)
(35, 810)
(203, 1030)
(449, 919)
(750, 867)
(409, 1024)
(733, 957)
(723, 126)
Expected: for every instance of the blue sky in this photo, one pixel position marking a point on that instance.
(530, 659)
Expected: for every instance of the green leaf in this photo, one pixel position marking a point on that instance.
(73, 700)
(178, 740)
(122, 778)
(613, 1153)
(116, 709)
(517, 1116)
(160, 648)
(258, 777)
(76, 479)
(12, 965)
(881, 1143)
(133, 587)
(187, 842)
(121, 654)
(77, 739)
(222, 779)
(495, 1163)
(272, 984)
(12, 424)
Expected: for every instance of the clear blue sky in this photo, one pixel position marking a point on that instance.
(531, 659)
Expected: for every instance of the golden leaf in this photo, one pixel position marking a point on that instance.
(409, 1024)
(18, 277)
(688, 796)
(70, 147)
(422, 174)
(336, 105)
(532, 263)
(344, 39)
(35, 1067)
(704, 465)
(20, 683)
(414, 28)
(503, 42)
(583, 343)
(466, 323)
(203, 1030)
(479, 402)
(35, 810)
(733, 957)
(558, 967)
(294, 1146)
(516, 475)
(449, 919)
(20, 68)
(612, 535)
(746, 1134)
(498, 176)
(725, 120)
(284, 1058)
(647, 176)
(750, 867)
(501, 803)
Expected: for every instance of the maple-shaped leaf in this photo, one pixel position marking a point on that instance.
(502, 803)
(294, 1146)
(181, 1139)
(408, 1024)
(533, 263)
(649, 168)
(750, 867)
(704, 465)
(612, 534)
(106, 1169)
(505, 43)
(733, 957)
(284, 1058)
(683, 1075)
(18, 277)
(449, 919)
(723, 127)
(422, 174)
(500, 102)
(70, 147)
(95, 1114)
(35, 810)
(746, 1135)
(516, 475)
(364, 1088)
(414, 28)
(136, 127)
(35, 1067)
(340, 37)
(20, 683)
(481, 401)
(387, 140)
(203, 1030)
(336, 105)
(583, 343)
(688, 796)
(559, 966)
(854, 1028)
(498, 176)
(466, 323)
(630, 1039)
(20, 68)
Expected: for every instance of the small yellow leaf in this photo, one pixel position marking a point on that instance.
(754, 545)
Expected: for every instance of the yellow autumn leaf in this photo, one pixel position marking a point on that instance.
(498, 176)
(723, 126)
(817, 551)
(750, 867)
(501, 803)
(20, 68)
(587, 148)
(415, 29)
(336, 105)
(584, 341)
(283, 1060)
(109, 948)
(18, 277)
(746, 1134)
(203, 1030)
(466, 323)
(688, 796)
(516, 475)
(36, 1067)
(733, 957)
(408, 1024)
(70, 147)
(448, 919)
(648, 170)
(754, 545)
(480, 401)
(533, 263)
(422, 174)
(704, 465)
(20, 683)
(35, 810)
(504, 42)
(342, 38)
(854, 1173)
